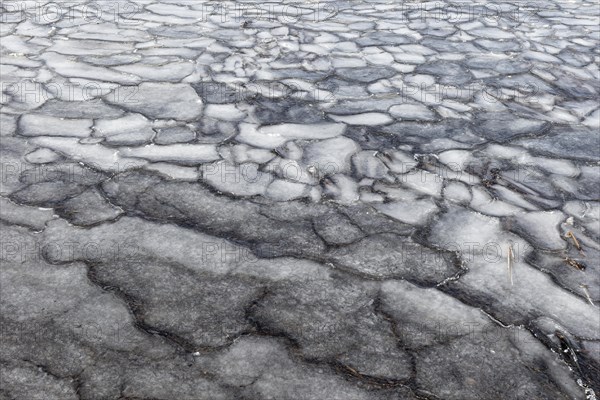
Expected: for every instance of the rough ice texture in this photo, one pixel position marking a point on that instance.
(312, 201)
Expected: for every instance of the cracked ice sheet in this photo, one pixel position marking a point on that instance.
(332, 200)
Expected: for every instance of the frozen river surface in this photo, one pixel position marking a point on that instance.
(300, 200)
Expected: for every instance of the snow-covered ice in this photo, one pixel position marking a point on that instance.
(334, 200)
